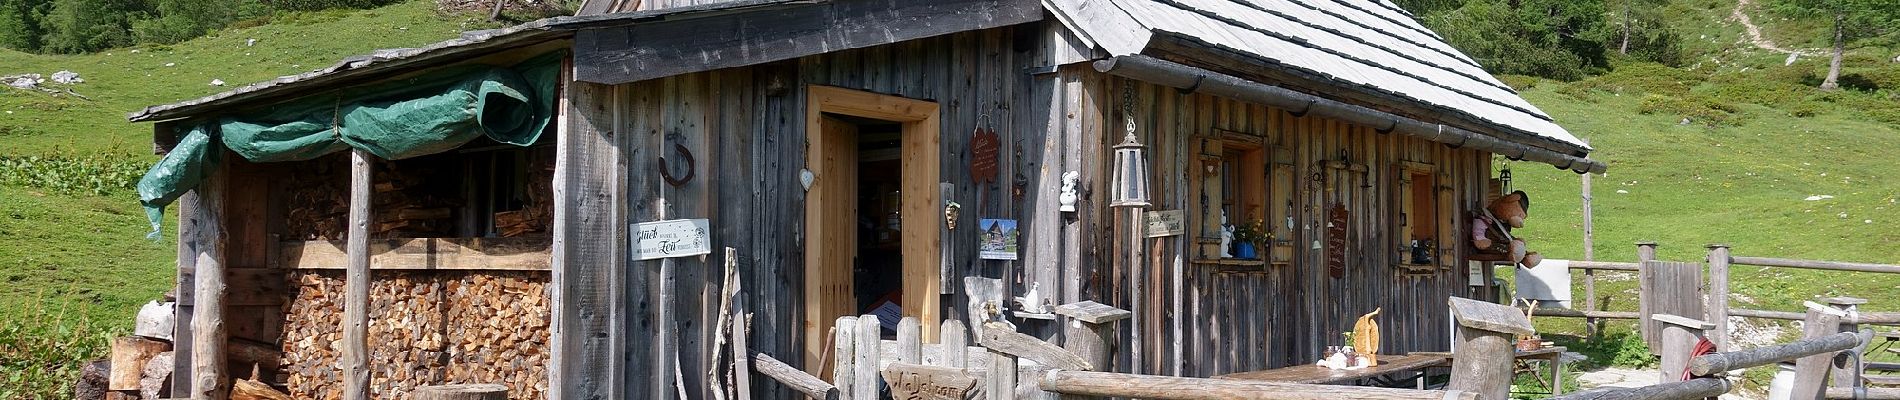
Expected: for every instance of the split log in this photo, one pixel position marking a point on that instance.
(246, 389)
(245, 351)
(129, 355)
(156, 382)
(480, 391)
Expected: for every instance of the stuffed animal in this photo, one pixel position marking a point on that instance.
(1518, 250)
(1480, 228)
(1531, 259)
(1512, 208)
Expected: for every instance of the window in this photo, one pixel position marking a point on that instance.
(1420, 223)
(1234, 185)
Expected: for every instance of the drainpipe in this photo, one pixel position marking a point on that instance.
(1197, 80)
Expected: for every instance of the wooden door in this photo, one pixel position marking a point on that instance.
(830, 211)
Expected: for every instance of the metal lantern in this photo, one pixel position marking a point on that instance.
(1131, 173)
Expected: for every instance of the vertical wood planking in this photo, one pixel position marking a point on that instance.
(586, 250)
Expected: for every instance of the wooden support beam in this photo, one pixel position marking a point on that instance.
(1110, 384)
(1093, 329)
(1846, 368)
(209, 371)
(1679, 337)
(505, 254)
(589, 311)
(657, 49)
(356, 294)
(1811, 372)
(798, 380)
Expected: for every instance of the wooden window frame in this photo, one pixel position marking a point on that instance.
(1407, 219)
(1225, 152)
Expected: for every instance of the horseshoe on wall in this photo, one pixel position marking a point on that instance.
(666, 171)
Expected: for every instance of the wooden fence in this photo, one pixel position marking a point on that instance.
(1005, 364)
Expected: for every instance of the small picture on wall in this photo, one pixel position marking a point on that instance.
(999, 239)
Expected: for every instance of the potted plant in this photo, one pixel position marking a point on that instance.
(1248, 237)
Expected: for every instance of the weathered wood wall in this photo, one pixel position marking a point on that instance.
(1246, 316)
(744, 127)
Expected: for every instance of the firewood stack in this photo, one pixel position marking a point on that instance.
(410, 204)
(426, 328)
(317, 198)
(536, 215)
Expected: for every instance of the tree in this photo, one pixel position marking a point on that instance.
(79, 26)
(20, 24)
(1852, 19)
(1557, 39)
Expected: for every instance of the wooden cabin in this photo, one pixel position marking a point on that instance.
(852, 153)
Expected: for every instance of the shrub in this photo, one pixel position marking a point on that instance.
(1620, 348)
(93, 175)
(44, 346)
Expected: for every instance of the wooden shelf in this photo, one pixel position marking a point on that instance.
(1233, 262)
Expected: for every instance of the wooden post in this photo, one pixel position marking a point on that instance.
(741, 329)
(1135, 282)
(1679, 337)
(1846, 368)
(1591, 326)
(1483, 347)
(356, 296)
(1717, 301)
(208, 372)
(866, 378)
(479, 391)
(844, 349)
(910, 341)
(956, 344)
(1811, 372)
(1091, 329)
(1645, 252)
(1001, 382)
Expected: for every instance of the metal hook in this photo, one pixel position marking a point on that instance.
(667, 172)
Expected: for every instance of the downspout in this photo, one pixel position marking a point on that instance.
(1197, 80)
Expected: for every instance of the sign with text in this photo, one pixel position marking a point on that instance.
(668, 239)
(1166, 223)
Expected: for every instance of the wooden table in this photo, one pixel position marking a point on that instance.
(1310, 373)
(1555, 356)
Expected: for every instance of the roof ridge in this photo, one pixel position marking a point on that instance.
(1392, 51)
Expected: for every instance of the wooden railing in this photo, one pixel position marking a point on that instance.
(1705, 382)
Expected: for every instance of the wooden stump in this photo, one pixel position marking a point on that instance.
(480, 391)
(1483, 349)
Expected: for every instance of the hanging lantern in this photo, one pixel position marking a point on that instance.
(1504, 178)
(1131, 172)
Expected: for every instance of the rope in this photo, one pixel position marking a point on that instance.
(1702, 347)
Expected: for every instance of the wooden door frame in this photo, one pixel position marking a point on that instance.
(921, 209)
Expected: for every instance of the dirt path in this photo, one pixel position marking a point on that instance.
(1754, 32)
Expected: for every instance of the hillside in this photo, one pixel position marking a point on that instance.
(74, 261)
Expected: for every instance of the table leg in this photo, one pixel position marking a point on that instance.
(1557, 374)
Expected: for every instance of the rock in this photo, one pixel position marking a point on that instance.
(23, 81)
(1791, 59)
(67, 77)
(1896, 59)
(157, 380)
(217, 82)
(250, 42)
(171, 64)
(155, 320)
(92, 381)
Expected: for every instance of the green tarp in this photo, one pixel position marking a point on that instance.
(426, 114)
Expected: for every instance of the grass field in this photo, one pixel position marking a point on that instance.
(74, 261)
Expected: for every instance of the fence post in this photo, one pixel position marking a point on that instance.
(1645, 252)
(1846, 368)
(1483, 347)
(1589, 254)
(1716, 305)
(844, 353)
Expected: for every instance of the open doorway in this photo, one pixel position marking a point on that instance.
(872, 215)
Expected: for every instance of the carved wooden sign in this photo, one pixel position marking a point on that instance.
(1336, 222)
(984, 149)
(924, 382)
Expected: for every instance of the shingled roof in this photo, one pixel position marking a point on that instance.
(1370, 46)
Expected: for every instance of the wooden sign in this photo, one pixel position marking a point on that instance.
(668, 239)
(1166, 223)
(924, 382)
(984, 147)
(1336, 222)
